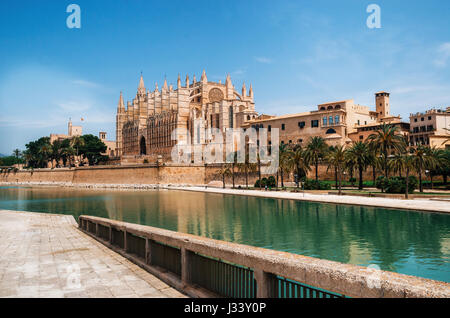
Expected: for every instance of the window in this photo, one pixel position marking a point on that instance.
(330, 120)
(324, 121)
(300, 141)
(261, 126)
(290, 141)
(361, 137)
(301, 124)
(422, 119)
(429, 117)
(415, 120)
(336, 119)
(230, 118)
(282, 142)
(314, 123)
(359, 123)
(269, 128)
(330, 131)
(283, 127)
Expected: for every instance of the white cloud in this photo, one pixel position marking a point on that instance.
(443, 53)
(86, 83)
(264, 60)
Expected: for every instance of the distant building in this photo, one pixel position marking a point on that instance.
(431, 128)
(337, 122)
(110, 144)
(71, 132)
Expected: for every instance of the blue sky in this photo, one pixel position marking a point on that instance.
(297, 54)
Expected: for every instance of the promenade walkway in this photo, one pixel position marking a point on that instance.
(422, 205)
(45, 255)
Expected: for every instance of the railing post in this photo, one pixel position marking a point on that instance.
(125, 240)
(263, 283)
(96, 229)
(147, 251)
(186, 257)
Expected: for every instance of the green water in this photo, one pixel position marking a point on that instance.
(411, 243)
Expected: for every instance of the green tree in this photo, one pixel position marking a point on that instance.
(359, 153)
(36, 151)
(386, 139)
(336, 158)
(436, 159)
(316, 149)
(247, 167)
(301, 163)
(420, 162)
(285, 161)
(224, 172)
(91, 148)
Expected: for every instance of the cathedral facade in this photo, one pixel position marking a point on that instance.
(155, 121)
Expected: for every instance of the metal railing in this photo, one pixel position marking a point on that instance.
(203, 267)
(285, 288)
(224, 279)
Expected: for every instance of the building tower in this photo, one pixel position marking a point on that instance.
(121, 118)
(382, 104)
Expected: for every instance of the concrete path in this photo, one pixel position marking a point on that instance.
(45, 255)
(423, 205)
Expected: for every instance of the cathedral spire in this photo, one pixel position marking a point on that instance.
(141, 87)
(187, 80)
(179, 81)
(121, 105)
(194, 80)
(156, 87)
(165, 85)
(244, 90)
(228, 80)
(204, 79)
(250, 92)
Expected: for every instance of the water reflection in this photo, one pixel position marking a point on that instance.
(406, 242)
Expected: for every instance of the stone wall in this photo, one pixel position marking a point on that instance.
(151, 174)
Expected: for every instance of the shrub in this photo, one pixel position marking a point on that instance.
(396, 184)
(271, 182)
(317, 185)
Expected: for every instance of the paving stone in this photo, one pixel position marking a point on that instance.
(47, 256)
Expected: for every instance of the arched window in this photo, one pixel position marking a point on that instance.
(248, 117)
(230, 116)
(330, 107)
(322, 108)
(324, 121)
(330, 131)
(337, 107)
(143, 148)
(330, 120)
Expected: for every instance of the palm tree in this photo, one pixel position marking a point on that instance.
(336, 158)
(67, 154)
(17, 153)
(45, 151)
(436, 159)
(285, 162)
(315, 151)
(224, 172)
(77, 142)
(385, 140)
(420, 162)
(397, 164)
(247, 167)
(300, 162)
(359, 153)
